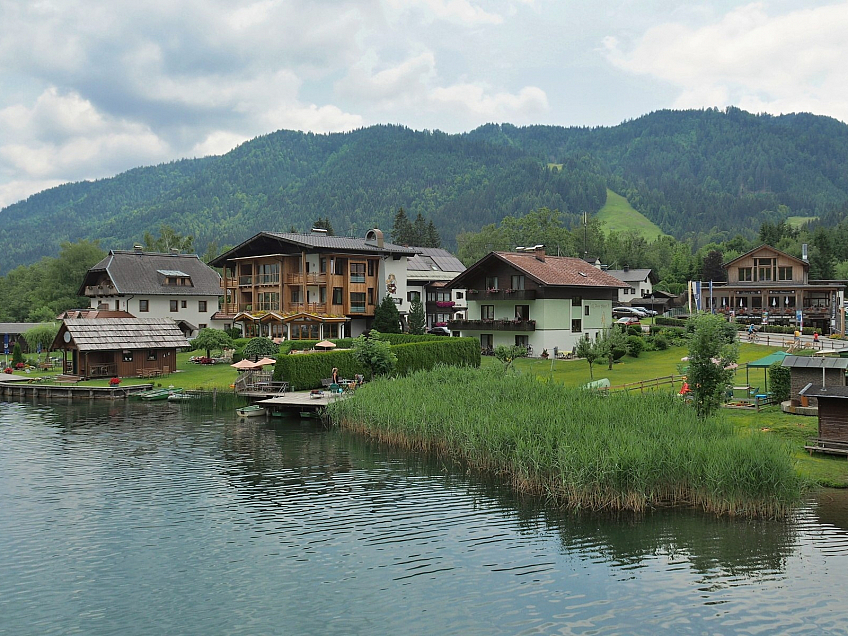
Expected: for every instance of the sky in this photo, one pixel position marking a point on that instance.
(92, 88)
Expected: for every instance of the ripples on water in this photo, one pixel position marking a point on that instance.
(135, 518)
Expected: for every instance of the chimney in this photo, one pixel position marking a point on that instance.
(374, 237)
(539, 252)
(174, 250)
(804, 252)
(319, 230)
(138, 248)
(627, 268)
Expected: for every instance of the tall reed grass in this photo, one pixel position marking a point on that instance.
(579, 448)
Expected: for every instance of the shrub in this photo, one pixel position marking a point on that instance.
(660, 343)
(779, 376)
(635, 345)
(114, 381)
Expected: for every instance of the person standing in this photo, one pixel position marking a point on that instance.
(335, 375)
(815, 338)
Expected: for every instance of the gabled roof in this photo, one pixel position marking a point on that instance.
(634, 275)
(292, 242)
(110, 334)
(770, 248)
(145, 273)
(818, 391)
(556, 271)
(16, 327)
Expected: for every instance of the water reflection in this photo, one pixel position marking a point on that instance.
(247, 522)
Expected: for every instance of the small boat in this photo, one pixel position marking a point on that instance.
(251, 411)
(160, 394)
(309, 415)
(179, 397)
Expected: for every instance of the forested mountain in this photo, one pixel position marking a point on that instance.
(716, 173)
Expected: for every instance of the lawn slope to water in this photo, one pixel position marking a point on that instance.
(579, 448)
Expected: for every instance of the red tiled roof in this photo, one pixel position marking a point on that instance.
(560, 270)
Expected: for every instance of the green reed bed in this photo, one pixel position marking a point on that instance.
(582, 449)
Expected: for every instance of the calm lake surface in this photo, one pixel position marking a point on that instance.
(131, 518)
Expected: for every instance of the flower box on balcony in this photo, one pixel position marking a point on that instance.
(445, 303)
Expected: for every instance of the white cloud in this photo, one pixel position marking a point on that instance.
(460, 12)
(530, 102)
(785, 63)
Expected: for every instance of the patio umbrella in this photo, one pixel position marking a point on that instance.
(265, 361)
(325, 344)
(244, 364)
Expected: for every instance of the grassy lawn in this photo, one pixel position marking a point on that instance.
(619, 216)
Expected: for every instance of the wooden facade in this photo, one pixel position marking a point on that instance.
(119, 347)
(306, 286)
(767, 285)
(833, 419)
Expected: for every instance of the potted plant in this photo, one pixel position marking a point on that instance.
(114, 381)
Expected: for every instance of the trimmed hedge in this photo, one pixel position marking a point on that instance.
(306, 370)
(669, 322)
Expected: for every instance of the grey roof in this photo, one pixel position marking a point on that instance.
(17, 327)
(142, 273)
(818, 362)
(434, 259)
(340, 243)
(109, 334)
(835, 391)
(630, 275)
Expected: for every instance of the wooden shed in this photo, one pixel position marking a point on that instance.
(833, 418)
(119, 347)
(818, 370)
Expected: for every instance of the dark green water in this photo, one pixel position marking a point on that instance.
(138, 519)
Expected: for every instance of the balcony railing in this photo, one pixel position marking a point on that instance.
(501, 294)
(775, 311)
(309, 279)
(492, 325)
(245, 281)
(99, 290)
(309, 308)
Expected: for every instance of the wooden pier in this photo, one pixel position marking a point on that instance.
(302, 402)
(24, 389)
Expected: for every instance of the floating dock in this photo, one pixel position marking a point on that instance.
(302, 402)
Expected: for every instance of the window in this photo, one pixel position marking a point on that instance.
(491, 282)
(339, 266)
(371, 267)
(522, 341)
(522, 312)
(268, 301)
(487, 312)
(518, 282)
(268, 274)
(144, 305)
(756, 302)
(631, 290)
(357, 302)
(586, 310)
(174, 305)
(202, 325)
(201, 306)
(128, 356)
(337, 295)
(576, 301)
(413, 296)
(371, 296)
(764, 273)
(357, 272)
(295, 296)
(151, 355)
(322, 295)
(486, 341)
(746, 274)
(183, 304)
(459, 295)
(784, 273)
(576, 326)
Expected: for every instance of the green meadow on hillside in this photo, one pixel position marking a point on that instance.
(798, 221)
(619, 216)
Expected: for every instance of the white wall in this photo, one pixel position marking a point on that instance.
(398, 268)
(160, 307)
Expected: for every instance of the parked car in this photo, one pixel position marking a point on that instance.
(646, 311)
(628, 320)
(622, 312)
(439, 331)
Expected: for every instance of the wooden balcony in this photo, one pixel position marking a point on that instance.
(100, 290)
(492, 325)
(309, 279)
(501, 294)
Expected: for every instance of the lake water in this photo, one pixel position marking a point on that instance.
(131, 518)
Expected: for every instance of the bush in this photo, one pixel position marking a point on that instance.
(779, 377)
(635, 345)
(305, 371)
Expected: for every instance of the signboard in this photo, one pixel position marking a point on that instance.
(765, 317)
(800, 318)
(6, 343)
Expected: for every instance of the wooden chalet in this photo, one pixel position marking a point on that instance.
(767, 285)
(310, 286)
(119, 347)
